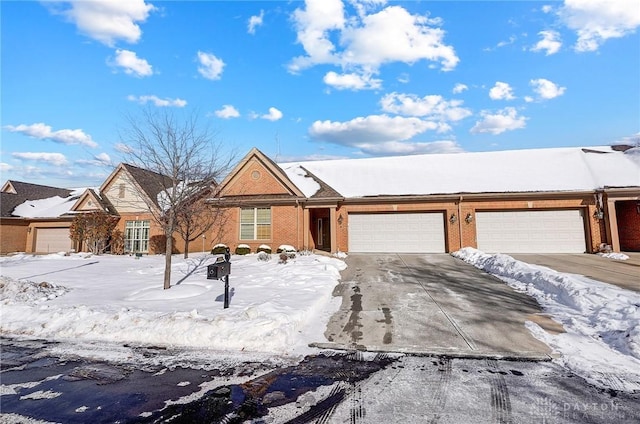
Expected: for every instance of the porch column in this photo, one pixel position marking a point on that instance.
(305, 228)
(332, 229)
(612, 226)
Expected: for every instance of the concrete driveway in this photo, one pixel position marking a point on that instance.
(432, 304)
(625, 274)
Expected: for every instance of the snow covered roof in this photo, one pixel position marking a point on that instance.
(533, 170)
(50, 207)
(15, 193)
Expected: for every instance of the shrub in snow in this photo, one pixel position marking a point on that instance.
(264, 256)
(219, 249)
(242, 249)
(264, 248)
(288, 250)
(284, 257)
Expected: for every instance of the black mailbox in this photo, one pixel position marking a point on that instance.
(218, 270)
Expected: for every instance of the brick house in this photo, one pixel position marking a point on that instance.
(544, 200)
(128, 192)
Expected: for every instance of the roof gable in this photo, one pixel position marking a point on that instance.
(257, 175)
(147, 184)
(90, 201)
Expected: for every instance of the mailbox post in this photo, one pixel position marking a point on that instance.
(219, 270)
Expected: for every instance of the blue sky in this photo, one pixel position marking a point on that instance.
(316, 79)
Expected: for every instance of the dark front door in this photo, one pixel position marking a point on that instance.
(323, 241)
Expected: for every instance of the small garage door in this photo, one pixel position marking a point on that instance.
(52, 240)
(398, 232)
(556, 231)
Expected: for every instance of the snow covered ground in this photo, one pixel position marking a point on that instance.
(275, 308)
(602, 321)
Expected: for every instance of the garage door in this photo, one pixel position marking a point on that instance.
(52, 240)
(557, 231)
(398, 232)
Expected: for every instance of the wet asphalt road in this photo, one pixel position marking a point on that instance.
(330, 387)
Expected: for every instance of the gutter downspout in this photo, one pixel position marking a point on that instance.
(460, 220)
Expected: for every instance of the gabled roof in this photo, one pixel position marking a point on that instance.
(101, 203)
(276, 171)
(528, 170)
(15, 193)
(149, 183)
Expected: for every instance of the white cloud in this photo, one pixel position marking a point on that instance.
(101, 159)
(547, 8)
(123, 148)
(546, 89)
(506, 119)
(367, 41)
(596, 21)
(43, 132)
(210, 66)
(57, 159)
(371, 129)
(273, 115)
(409, 148)
(501, 91)
(157, 101)
(227, 112)
(550, 42)
(431, 106)
(352, 81)
(106, 20)
(5, 167)
(254, 22)
(132, 64)
(459, 88)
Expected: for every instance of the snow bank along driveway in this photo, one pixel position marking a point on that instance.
(602, 321)
(276, 308)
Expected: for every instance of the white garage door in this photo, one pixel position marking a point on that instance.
(52, 240)
(398, 232)
(557, 231)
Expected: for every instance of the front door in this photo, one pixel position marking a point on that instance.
(324, 236)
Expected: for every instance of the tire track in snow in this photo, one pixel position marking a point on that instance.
(500, 401)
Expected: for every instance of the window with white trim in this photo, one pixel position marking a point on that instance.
(255, 223)
(136, 236)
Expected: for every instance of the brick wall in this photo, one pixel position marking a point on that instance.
(628, 217)
(13, 236)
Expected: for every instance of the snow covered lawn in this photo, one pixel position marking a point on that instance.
(275, 308)
(602, 321)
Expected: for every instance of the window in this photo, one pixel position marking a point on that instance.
(136, 236)
(255, 223)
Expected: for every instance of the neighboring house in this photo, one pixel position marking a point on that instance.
(544, 200)
(35, 218)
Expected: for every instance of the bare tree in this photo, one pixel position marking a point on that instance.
(196, 217)
(186, 159)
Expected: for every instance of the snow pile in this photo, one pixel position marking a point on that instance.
(602, 321)
(274, 308)
(12, 291)
(616, 256)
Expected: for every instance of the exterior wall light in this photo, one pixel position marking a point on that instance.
(468, 218)
(598, 214)
(453, 219)
(340, 219)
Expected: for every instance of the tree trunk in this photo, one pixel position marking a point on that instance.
(167, 254)
(186, 248)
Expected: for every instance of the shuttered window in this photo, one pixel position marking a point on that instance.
(255, 224)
